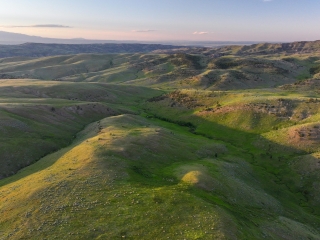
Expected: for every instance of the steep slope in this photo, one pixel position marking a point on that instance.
(37, 118)
(272, 126)
(128, 177)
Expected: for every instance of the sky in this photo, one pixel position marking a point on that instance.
(163, 20)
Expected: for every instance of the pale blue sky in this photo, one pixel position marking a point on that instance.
(216, 20)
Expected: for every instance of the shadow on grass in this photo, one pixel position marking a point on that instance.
(151, 159)
(271, 161)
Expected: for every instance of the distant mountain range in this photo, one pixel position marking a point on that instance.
(8, 38)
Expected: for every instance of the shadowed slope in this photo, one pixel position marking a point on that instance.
(273, 127)
(93, 180)
(37, 118)
(125, 176)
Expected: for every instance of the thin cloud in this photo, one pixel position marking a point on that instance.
(267, 0)
(39, 26)
(148, 30)
(200, 33)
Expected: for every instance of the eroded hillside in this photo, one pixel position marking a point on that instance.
(181, 70)
(189, 144)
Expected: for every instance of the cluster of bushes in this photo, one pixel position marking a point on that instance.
(226, 63)
(315, 70)
(6, 76)
(157, 98)
(238, 75)
(191, 61)
(178, 122)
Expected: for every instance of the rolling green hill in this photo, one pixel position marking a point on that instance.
(128, 177)
(269, 48)
(37, 118)
(167, 71)
(197, 144)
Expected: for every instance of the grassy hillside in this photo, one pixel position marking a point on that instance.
(201, 71)
(196, 144)
(273, 48)
(272, 126)
(128, 177)
(37, 118)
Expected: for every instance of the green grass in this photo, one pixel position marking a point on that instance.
(38, 118)
(134, 175)
(164, 70)
(200, 163)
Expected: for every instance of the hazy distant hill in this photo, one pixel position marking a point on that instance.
(180, 70)
(8, 38)
(41, 50)
(18, 38)
(53, 49)
(271, 48)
